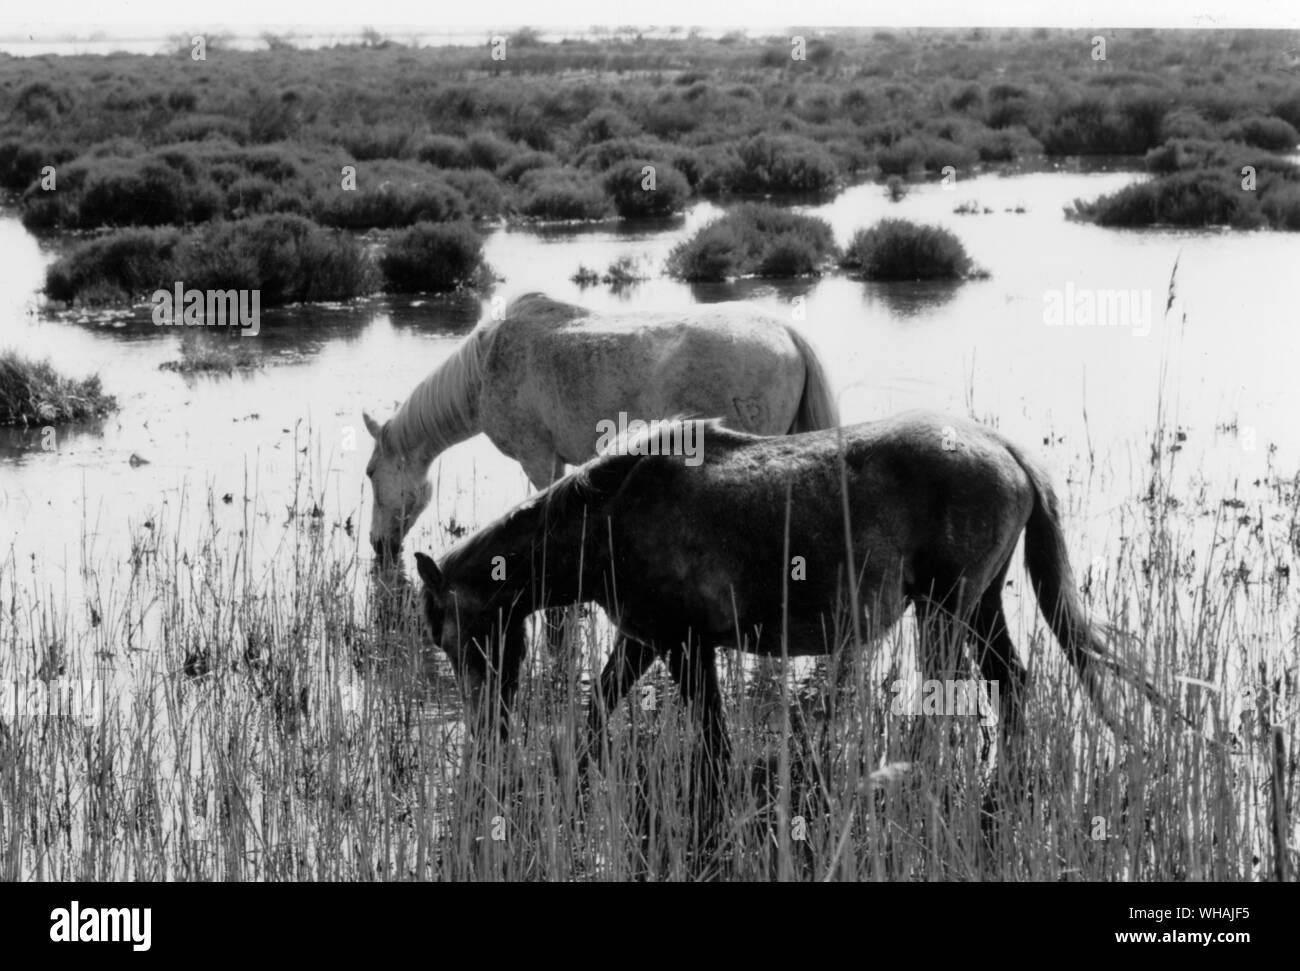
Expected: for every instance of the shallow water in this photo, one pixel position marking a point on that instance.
(981, 347)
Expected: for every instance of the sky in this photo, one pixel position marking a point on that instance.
(161, 17)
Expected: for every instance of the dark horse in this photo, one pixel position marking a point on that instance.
(686, 559)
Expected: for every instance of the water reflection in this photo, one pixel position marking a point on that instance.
(905, 299)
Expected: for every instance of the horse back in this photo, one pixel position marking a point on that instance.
(762, 520)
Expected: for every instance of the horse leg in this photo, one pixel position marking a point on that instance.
(999, 665)
(998, 662)
(694, 668)
(630, 660)
(510, 650)
(543, 467)
(940, 615)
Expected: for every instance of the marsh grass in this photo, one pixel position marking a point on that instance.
(219, 355)
(35, 393)
(274, 715)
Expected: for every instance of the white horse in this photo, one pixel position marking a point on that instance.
(544, 380)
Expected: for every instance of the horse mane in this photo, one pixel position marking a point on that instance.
(588, 487)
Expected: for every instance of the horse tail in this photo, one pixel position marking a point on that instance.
(816, 407)
(1058, 599)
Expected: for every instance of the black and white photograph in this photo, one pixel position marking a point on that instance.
(594, 444)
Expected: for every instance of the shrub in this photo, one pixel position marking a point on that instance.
(1196, 197)
(121, 267)
(1281, 206)
(288, 258)
(1272, 134)
(606, 154)
(625, 181)
(165, 188)
(484, 195)
(21, 162)
(197, 128)
(754, 239)
(391, 205)
(896, 249)
(433, 258)
(1122, 125)
(33, 393)
(445, 152)
(1185, 153)
(562, 194)
(489, 151)
(379, 141)
(514, 169)
(606, 124)
(901, 157)
(780, 164)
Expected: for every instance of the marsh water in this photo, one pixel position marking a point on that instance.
(190, 449)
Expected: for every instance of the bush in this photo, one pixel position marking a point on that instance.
(562, 194)
(604, 155)
(1185, 153)
(21, 162)
(1272, 134)
(1121, 125)
(288, 258)
(754, 239)
(391, 205)
(896, 249)
(624, 183)
(606, 124)
(143, 192)
(769, 164)
(513, 170)
(1281, 206)
(484, 195)
(122, 267)
(489, 151)
(445, 152)
(33, 393)
(1196, 197)
(433, 258)
(380, 141)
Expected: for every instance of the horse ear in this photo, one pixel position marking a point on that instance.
(429, 573)
(372, 426)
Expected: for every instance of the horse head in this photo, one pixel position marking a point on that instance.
(480, 652)
(401, 489)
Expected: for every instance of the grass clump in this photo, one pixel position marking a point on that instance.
(897, 249)
(433, 258)
(34, 393)
(213, 356)
(754, 240)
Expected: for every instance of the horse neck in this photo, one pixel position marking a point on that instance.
(443, 409)
(551, 558)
